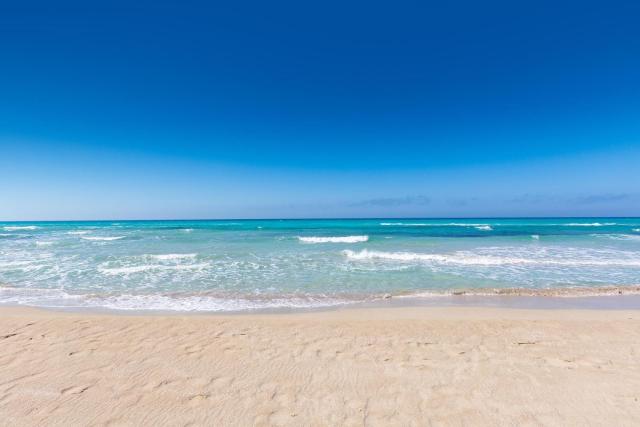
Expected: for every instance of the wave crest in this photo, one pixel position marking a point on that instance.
(464, 258)
(483, 227)
(21, 227)
(590, 224)
(334, 239)
(150, 267)
(167, 257)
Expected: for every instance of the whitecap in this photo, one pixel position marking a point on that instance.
(535, 236)
(334, 239)
(78, 232)
(448, 224)
(15, 228)
(167, 257)
(590, 224)
(484, 227)
(43, 243)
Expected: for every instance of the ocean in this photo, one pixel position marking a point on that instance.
(238, 265)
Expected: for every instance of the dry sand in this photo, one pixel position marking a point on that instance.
(395, 366)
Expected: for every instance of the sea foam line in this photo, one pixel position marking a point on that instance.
(449, 224)
(464, 224)
(334, 239)
(16, 227)
(469, 259)
(150, 267)
(168, 257)
(106, 238)
(556, 292)
(591, 224)
(617, 236)
(41, 297)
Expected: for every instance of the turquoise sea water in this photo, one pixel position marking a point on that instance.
(252, 264)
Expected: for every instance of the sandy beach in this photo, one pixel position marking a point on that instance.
(352, 367)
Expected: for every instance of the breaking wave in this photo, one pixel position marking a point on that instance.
(16, 227)
(484, 227)
(449, 224)
(150, 267)
(467, 258)
(589, 224)
(340, 239)
(166, 257)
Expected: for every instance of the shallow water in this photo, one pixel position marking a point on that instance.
(252, 264)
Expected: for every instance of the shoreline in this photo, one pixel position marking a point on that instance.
(597, 298)
(348, 314)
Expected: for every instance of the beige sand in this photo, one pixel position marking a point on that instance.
(401, 366)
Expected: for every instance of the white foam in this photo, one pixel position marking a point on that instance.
(466, 258)
(159, 302)
(448, 224)
(340, 239)
(78, 232)
(187, 230)
(591, 224)
(150, 267)
(104, 238)
(15, 228)
(637, 230)
(535, 237)
(34, 296)
(617, 236)
(167, 257)
(43, 243)
(484, 227)
(209, 303)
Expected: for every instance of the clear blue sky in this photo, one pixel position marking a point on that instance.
(298, 109)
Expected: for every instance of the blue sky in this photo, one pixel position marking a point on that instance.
(294, 109)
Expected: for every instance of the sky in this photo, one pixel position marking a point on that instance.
(151, 110)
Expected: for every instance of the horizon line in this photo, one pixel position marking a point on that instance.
(320, 218)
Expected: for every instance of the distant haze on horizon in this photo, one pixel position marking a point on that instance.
(161, 110)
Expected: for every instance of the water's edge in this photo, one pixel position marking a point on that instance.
(603, 298)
